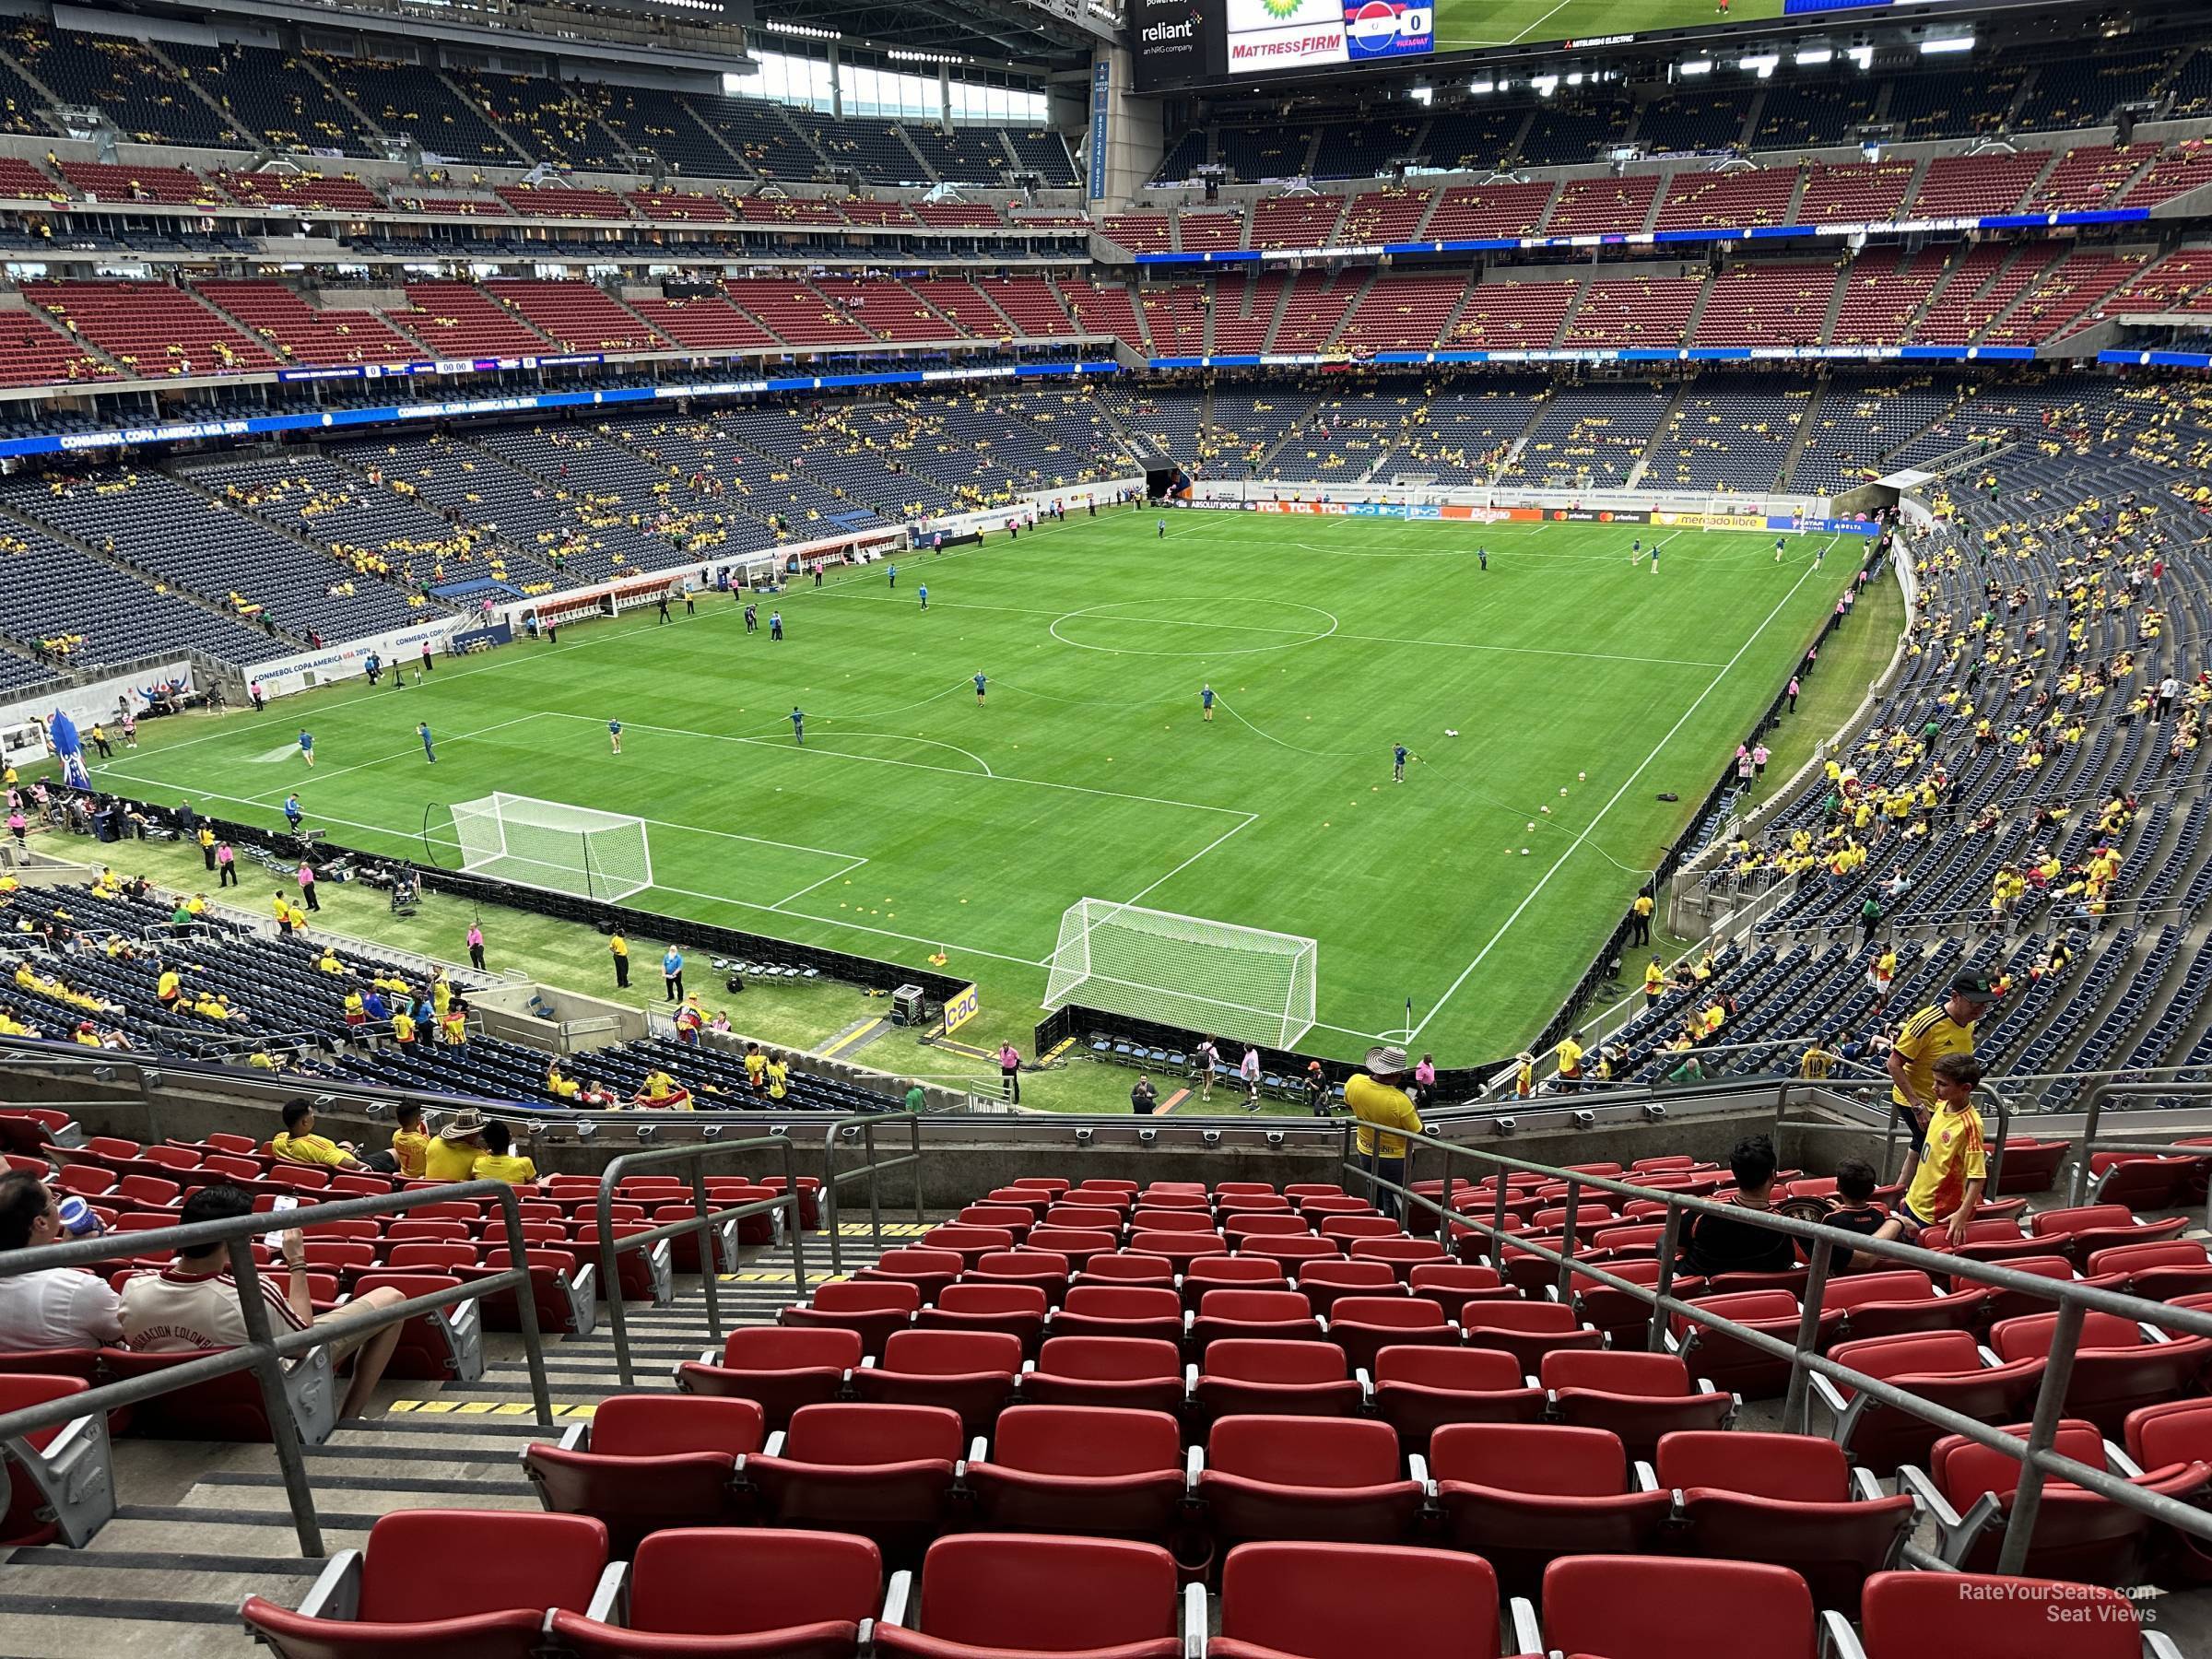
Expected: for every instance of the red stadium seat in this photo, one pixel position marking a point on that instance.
(1017, 1310)
(885, 1472)
(1454, 1285)
(1619, 1316)
(870, 1309)
(1527, 1330)
(1237, 1227)
(1736, 1366)
(1350, 1228)
(1016, 1220)
(1894, 1301)
(1291, 1252)
(2030, 1165)
(1046, 1270)
(1196, 1219)
(1941, 1366)
(1318, 1600)
(1419, 1390)
(780, 1370)
(1125, 1371)
(714, 1593)
(1278, 1379)
(644, 1461)
(2155, 1272)
(2001, 1304)
(1322, 1283)
(445, 1344)
(1980, 1615)
(1264, 1315)
(1181, 1248)
(1786, 1499)
(1521, 1495)
(1363, 1325)
(929, 1271)
(2082, 1231)
(1149, 1312)
(2079, 1535)
(1324, 1478)
(2115, 1370)
(994, 1596)
(1077, 1246)
(970, 1243)
(1124, 1268)
(1229, 1273)
(1082, 1469)
(969, 1372)
(2140, 1180)
(1639, 1397)
(1667, 1609)
(1052, 1185)
(61, 1480)
(1403, 1254)
(407, 1597)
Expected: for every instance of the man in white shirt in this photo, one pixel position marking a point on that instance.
(193, 1304)
(2169, 689)
(54, 1307)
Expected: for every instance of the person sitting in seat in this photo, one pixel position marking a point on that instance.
(1854, 1208)
(499, 1161)
(299, 1144)
(193, 1304)
(410, 1144)
(453, 1155)
(54, 1307)
(1717, 1244)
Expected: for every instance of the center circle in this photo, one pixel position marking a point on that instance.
(1274, 636)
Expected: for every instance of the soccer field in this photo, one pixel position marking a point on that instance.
(914, 820)
(1464, 25)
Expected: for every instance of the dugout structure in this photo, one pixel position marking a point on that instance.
(1244, 982)
(553, 845)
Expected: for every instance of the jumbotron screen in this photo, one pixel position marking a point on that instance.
(1189, 43)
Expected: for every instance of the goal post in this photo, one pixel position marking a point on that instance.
(553, 845)
(1217, 977)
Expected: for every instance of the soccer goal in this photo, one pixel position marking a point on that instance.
(553, 845)
(1186, 971)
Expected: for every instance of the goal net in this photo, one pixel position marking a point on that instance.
(1244, 982)
(553, 845)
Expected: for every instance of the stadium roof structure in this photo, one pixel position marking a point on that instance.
(1052, 34)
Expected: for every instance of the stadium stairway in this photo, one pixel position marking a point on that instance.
(201, 1526)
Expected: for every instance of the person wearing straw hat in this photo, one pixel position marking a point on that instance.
(1378, 1100)
(453, 1155)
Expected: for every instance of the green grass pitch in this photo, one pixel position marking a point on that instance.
(914, 820)
(1468, 25)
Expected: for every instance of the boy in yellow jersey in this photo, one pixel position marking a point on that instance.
(1944, 1027)
(410, 1146)
(1954, 1165)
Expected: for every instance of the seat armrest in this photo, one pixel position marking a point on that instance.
(1647, 1477)
(773, 1445)
(1989, 1355)
(1864, 1486)
(1838, 1640)
(1194, 1464)
(2158, 1646)
(1528, 1635)
(2120, 1462)
(1194, 1621)
(336, 1592)
(979, 1449)
(896, 1599)
(578, 1436)
(1417, 1466)
(1911, 1479)
(610, 1596)
(868, 1363)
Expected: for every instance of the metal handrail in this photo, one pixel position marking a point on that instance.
(872, 1167)
(2077, 1192)
(2037, 1457)
(264, 1353)
(705, 1223)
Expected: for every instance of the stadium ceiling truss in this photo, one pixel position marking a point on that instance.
(1050, 34)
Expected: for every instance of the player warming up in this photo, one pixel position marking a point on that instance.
(1206, 703)
(1398, 757)
(798, 726)
(614, 735)
(979, 687)
(924, 591)
(307, 746)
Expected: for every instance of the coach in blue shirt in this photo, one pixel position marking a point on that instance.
(672, 974)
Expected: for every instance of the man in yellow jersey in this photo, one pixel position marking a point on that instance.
(1954, 1166)
(1640, 920)
(1944, 1027)
(1377, 1098)
(1654, 983)
(1570, 1055)
(453, 1155)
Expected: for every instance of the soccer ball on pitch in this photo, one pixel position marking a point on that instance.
(1524, 851)
(1545, 810)
(1451, 731)
(1581, 777)
(1562, 792)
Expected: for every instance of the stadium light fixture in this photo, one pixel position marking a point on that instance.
(1861, 55)
(1761, 65)
(1422, 95)
(1546, 85)
(1575, 79)
(1697, 66)
(1811, 56)
(1948, 43)
(1482, 86)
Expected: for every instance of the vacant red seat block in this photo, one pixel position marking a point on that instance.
(991, 1595)
(759, 1592)
(1322, 1479)
(1082, 1469)
(1523, 1495)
